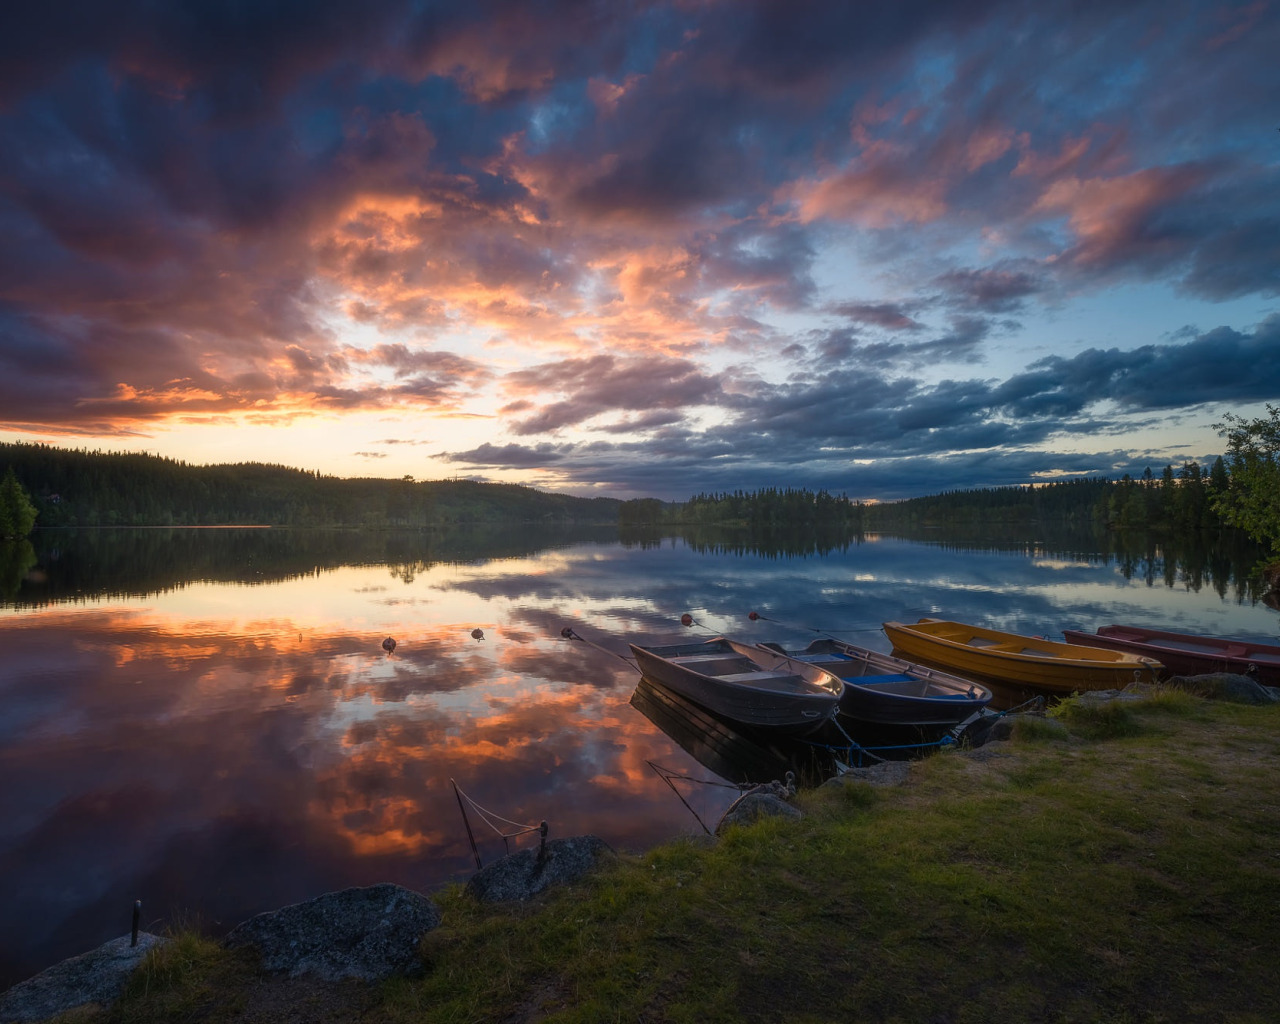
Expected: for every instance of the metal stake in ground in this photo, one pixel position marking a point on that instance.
(475, 852)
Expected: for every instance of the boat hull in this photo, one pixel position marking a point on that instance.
(882, 690)
(745, 685)
(1188, 654)
(1019, 661)
(737, 755)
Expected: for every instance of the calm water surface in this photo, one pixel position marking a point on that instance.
(205, 720)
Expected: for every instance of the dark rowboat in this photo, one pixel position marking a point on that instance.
(745, 684)
(1188, 654)
(884, 690)
(733, 754)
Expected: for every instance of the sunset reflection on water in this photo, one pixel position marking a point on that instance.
(225, 749)
(216, 749)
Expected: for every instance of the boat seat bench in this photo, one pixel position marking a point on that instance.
(817, 659)
(756, 676)
(706, 663)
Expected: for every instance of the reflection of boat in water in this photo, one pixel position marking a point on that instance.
(745, 684)
(1188, 654)
(887, 691)
(734, 754)
(1011, 659)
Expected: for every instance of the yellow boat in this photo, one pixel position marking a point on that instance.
(1019, 660)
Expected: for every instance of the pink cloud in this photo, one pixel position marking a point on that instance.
(606, 95)
(895, 182)
(874, 197)
(1112, 217)
(1244, 20)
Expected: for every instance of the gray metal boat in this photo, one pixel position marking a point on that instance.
(745, 684)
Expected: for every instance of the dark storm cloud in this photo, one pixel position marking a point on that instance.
(606, 384)
(1220, 366)
(890, 316)
(491, 455)
(823, 430)
(993, 290)
(770, 46)
(960, 344)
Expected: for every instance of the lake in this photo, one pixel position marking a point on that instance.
(206, 720)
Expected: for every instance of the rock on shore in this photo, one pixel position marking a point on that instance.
(367, 933)
(98, 976)
(524, 874)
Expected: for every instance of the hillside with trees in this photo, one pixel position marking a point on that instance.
(770, 508)
(1176, 501)
(82, 488)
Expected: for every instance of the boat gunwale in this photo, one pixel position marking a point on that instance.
(926, 673)
(1116, 661)
(1197, 643)
(818, 693)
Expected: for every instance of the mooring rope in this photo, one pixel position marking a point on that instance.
(569, 633)
(672, 774)
(753, 616)
(853, 744)
(489, 818)
(667, 775)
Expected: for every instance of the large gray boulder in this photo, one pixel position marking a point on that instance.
(98, 976)
(754, 805)
(525, 873)
(1228, 686)
(368, 933)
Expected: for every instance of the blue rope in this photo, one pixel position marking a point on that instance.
(945, 741)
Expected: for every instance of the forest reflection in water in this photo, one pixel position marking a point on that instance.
(206, 720)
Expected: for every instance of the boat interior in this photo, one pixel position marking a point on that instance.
(971, 638)
(734, 668)
(1240, 650)
(856, 670)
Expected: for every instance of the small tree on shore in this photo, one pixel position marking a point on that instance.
(17, 514)
(1252, 499)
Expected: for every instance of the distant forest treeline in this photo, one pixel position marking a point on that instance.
(80, 488)
(764, 509)
(1173, 502)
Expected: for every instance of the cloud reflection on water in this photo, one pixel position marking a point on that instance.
(221, 748)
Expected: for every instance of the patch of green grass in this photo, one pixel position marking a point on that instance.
(1124, 875)
(1036, 729)
(1171, 701)
(176, 969)
(1097, 720)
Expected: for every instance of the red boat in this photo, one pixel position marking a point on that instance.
(1187, 654)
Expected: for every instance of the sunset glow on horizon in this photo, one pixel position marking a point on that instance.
(649, 249)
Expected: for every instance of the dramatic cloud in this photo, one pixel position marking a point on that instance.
(784, 243)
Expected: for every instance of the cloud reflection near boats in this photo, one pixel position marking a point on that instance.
(217, 730)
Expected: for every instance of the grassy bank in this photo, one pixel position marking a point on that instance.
(1116, 865)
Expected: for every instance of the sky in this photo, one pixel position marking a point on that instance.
(646, 248)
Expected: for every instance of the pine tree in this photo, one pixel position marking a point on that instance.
(17, 514)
